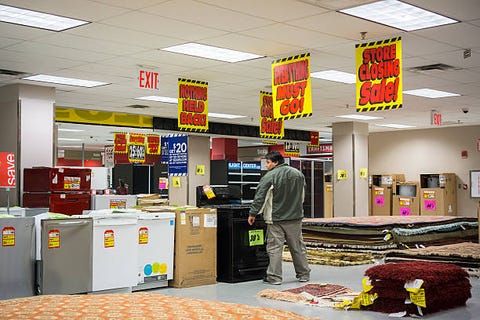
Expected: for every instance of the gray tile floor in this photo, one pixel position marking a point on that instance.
(245, 293)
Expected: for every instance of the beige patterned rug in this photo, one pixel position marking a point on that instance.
(334, 258)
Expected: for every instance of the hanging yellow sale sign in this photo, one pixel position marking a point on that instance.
(192, 105)
(291, 87)
(379, 75)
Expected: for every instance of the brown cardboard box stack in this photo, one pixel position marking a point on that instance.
(382, 192)
(148, 200)
(195, 257)
(438, 194)
(405, 199)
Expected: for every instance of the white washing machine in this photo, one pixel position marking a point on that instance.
(155, 238)
(115, 250)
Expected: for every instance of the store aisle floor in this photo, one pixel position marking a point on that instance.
(245, 293)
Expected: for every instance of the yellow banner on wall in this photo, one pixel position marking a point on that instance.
(379, 75)
(192, 105)
(269, 127)
(291, 87)
(102, 117)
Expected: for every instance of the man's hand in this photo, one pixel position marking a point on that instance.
(251, 220)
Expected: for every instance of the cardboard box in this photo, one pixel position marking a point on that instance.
(405, 201)
(195, 257)
(438, 194)
(382, 193)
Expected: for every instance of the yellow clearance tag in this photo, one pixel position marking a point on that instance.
(363, 173)
(176, 182)
(341, 174)
(53, 239)
(256, 237)
(209, 192)
(200, 170)
(143, 235)
(367, 299)
(366, 284)
(8, 237)
(108, 239)
(419, 298)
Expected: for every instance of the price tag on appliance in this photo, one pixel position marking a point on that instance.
(53, 239)
(8, 237)
(71, 183)
(108, 239)
(143, 235)
(256, 237)
(118, 204)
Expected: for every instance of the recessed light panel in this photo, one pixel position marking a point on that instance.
(65, 81)
(395, 126)
(359, 117)
(224, 115)
(430, 93)
(37, 19)
(399, 15)
(210, 52)
(159, 99)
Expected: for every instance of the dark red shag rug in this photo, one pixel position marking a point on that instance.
(446, 286)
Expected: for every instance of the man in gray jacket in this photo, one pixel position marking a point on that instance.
(279, 196)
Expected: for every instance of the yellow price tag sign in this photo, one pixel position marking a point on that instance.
(255, 237)
(176, 182)
(200, 170)
(418, 298)
(341, 174)
(363, 173)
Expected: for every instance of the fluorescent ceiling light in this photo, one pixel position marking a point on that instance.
(65, 81)
(159, 99)
(70, 130)
(37, 19)
(359, 117)
(395, 126)
(430, 93)
(399, 15)
(69, 139)
(224, 115)
(333, 75)
(209, 52)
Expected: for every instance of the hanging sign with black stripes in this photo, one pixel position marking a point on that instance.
(269, 127)
(192, 105)
(291, 87)
(379, 75)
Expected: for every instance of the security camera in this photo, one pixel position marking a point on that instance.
(465, 110)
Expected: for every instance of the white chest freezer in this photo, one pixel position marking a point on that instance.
(156, 232)
(113, 201)
(115, 251)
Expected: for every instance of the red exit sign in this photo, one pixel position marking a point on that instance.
(148, 79)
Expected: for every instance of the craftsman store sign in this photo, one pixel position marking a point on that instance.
(291, 87)
(379, 75)
(192, 105)
(136, 148)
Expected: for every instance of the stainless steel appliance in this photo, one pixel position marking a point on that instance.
(66, 252)
(17, 257)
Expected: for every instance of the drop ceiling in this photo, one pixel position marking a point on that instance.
(127, 36)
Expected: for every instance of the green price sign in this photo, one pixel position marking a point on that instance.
(256, 237)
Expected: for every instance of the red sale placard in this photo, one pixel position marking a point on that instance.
(7, 170)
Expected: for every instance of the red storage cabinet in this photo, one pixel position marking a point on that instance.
(44, 179)
(66, 203)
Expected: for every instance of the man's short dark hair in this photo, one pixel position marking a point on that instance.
(275, 156)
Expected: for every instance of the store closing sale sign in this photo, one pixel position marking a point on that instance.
(291, 87)
(192, 105)
(269, 127)
(379, 75)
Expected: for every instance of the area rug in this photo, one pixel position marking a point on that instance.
(138, 306)
(333, 258)
(324, 294)
(417, 288)
(464, 254)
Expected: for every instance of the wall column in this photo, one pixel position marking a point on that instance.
(350, 154)
(27, 128)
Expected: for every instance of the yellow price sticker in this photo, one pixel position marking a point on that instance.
(363, 173)
(342, 175)
(200, 170)
(419, 298)
(255, 237)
